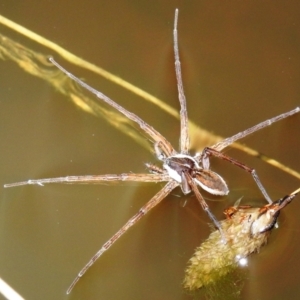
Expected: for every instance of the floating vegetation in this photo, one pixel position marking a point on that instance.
(246, 229)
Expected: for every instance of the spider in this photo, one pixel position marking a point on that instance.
(178, 168)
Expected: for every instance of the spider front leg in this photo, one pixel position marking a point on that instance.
(212, 152)
(184, 122)
(149, 130)
(96, 179)
(146, 208)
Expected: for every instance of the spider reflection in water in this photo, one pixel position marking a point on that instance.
(178, 168)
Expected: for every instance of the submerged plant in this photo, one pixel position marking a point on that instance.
(246, 229)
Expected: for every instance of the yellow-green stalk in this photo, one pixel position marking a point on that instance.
(246, 230)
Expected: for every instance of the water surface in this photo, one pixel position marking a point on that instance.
(240, 66)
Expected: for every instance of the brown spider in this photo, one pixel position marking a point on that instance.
(178, 169)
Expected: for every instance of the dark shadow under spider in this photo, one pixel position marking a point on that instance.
(178, 169)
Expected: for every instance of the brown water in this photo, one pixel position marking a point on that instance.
(241, 65)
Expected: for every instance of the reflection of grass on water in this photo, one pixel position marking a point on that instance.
(37, 64)
(228, 287)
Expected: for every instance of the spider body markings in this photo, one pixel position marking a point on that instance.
(178, 169)
(179, 165)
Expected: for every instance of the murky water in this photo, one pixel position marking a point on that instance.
(240, 65)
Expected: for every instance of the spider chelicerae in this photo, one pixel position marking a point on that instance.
(178, 168)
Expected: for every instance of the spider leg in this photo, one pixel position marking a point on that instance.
(155, 135)
(252, 171)
(204, 205)
(157, 177)
(146, 208)
(184, 123)
(155, 169)
(223, 144)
